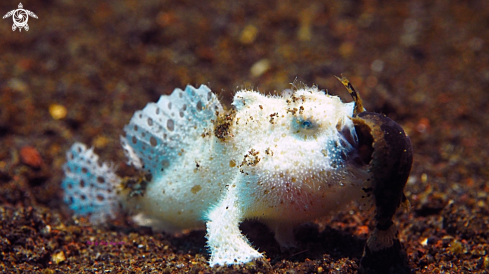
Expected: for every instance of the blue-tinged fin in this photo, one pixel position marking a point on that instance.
(162, 131)
(90, 188)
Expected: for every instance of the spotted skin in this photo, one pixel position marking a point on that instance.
(283, 160)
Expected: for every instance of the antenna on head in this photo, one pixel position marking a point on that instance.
(356, 97)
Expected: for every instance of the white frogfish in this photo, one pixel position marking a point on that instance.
(282, 160)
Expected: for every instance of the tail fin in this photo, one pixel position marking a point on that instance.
(90, 188)
(158, 134)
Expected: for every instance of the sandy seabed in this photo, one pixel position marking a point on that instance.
(84, 67)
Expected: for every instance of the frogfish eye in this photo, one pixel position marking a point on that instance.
(306, 124)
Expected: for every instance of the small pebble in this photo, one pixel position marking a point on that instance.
(260, 67)
(101, 142)
(248, 35)
(58, 257)
(58, 112)
(46, 230)
(31, 157)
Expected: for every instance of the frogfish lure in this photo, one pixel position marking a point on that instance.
(283, 160)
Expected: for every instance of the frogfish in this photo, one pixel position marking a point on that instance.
(283, 160)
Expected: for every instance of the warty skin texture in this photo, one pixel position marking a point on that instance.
(283, 160)
(283, 171)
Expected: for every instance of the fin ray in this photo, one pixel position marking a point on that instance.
(90, 187)
(156, 135)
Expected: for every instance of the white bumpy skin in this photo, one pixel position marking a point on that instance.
(284, 160)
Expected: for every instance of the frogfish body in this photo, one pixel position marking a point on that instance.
(283, 160)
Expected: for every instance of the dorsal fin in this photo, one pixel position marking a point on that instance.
(156, 135)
